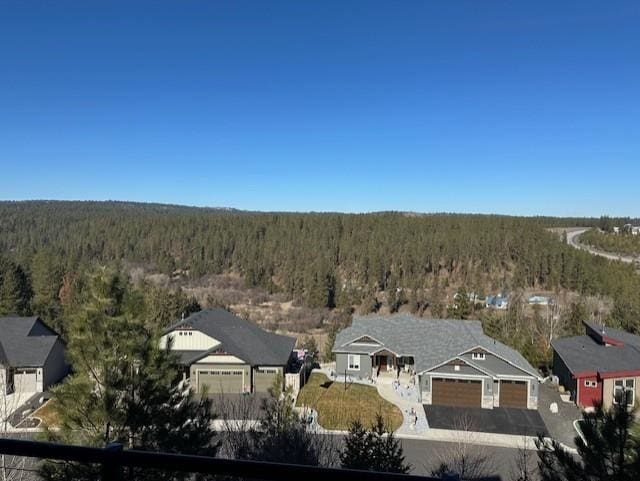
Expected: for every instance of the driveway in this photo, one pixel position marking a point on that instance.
(521, 422)
(560, 424)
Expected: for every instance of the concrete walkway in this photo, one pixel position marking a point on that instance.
(406, 397)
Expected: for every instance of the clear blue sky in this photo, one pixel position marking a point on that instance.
(469, 106)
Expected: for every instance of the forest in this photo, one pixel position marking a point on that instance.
(321, 260)
(624, 244)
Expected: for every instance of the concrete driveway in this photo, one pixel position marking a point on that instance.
(521, 422)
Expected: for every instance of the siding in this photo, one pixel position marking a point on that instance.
(449, 369)
(496, 365)
(607, 392)
(55, 367)
(342, 365)
(564, 375)
(197, 341)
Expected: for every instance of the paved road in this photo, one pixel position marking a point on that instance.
(573, 239)
(426, 455)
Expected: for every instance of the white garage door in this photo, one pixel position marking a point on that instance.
(25, 380)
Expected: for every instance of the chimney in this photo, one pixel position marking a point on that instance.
(183, 315)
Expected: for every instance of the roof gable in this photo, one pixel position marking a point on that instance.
(240, 337)
(429, 341)
(25, 341)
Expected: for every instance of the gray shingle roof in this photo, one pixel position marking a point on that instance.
(429, 341)
(25, 341)
(239, 337)
(583, 353)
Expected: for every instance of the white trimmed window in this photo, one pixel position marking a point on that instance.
(353, 362)
(588, 383)
(624, 390)
(477, 356)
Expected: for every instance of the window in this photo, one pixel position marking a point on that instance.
(353, 361)
(477, 356)
(456, 367)
(624, 391)
(590, 383)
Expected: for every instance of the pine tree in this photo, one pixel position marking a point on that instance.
(375, 449)
(15, 291)
(355, 454)
(283, 436)
(124, 388)
(607, 453)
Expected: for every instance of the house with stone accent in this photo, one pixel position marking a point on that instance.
(453, 361)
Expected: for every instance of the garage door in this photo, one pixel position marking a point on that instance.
(456, 392)
(513, 394)
(263, 379)
(220, 381)
(25, 380)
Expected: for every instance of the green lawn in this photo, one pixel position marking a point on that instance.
(338, 406)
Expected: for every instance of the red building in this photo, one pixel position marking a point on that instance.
(602, 366)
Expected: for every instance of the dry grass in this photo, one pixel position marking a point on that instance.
(337, 407)
(47, 414)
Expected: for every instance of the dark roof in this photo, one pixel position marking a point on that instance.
(585, 353)
(429, 341)
(239, 337)
(25, 341)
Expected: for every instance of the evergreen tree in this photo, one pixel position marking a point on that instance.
(15, 291)
(376, 449)
(46, 280)
(124, 388)
(608, 452)
(283, 436)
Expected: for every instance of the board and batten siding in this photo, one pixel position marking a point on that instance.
(189, 340)
(342, 365)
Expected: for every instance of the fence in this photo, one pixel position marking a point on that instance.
(114, 458)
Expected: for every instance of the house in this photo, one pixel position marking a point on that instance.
(500, 302)
(455, 363)
(540, 300)
(598, 366)
(32, 355)
(222, 353)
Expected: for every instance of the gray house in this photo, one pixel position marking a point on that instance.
(222, 353)
(455, 363)
(32, 355)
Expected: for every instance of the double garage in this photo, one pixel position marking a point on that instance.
(468, 392)
(235, 379)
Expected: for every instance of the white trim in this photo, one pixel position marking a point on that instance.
(350, 364)
(463, 360)
(500, 357)
(457, 376)
(386, 349)
(360, 337)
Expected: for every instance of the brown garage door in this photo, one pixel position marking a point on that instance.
(456, 392)
(513, 394)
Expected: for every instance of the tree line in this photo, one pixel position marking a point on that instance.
(323, 260)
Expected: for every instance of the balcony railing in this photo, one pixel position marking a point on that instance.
(114, 458)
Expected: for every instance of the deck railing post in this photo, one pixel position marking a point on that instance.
(111, 467)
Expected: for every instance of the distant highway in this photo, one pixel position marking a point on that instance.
(573, 238)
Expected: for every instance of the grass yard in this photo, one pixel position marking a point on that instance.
(47, 414)
(338, 406)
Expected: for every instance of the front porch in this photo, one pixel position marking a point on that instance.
(387, 364)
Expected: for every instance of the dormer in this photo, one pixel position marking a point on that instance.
(599, 334)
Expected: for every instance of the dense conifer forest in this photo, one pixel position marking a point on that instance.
(322, 260)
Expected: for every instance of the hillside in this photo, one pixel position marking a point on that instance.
(387, 261)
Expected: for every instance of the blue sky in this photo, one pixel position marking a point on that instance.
(466, 106)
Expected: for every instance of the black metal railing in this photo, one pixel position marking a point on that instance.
(114, 458)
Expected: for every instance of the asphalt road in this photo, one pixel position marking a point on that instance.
(573, 239)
